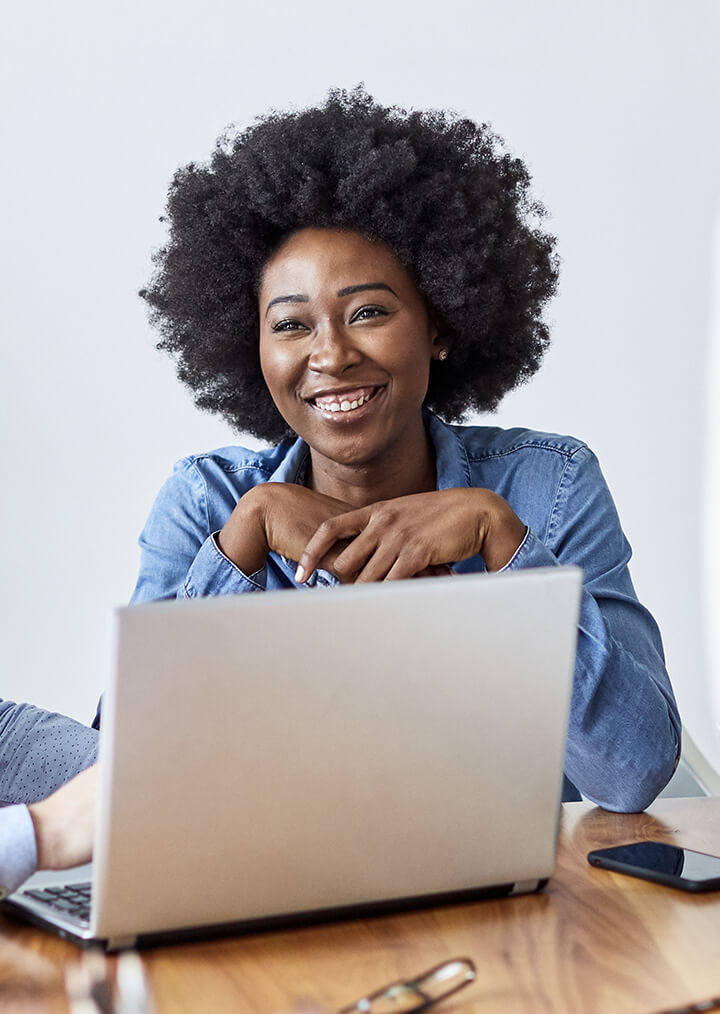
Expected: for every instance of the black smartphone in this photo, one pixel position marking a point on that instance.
(665, 864)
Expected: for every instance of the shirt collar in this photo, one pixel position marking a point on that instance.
(293, 467)
(453, 468)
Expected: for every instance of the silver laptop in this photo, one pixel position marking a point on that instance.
(284, 757)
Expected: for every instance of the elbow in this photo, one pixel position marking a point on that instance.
(631, 786)
(637, 788)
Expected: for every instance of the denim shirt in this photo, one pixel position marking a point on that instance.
(624, 730)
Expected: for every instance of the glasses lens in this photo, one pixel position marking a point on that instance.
(446, 979)
(397, 1000)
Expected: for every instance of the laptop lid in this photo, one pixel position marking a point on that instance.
(277, 754)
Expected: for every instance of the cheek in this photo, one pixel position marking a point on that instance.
(411, 360)
(282, 370)
(274, 366)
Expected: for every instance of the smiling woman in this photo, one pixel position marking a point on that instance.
(350, 280)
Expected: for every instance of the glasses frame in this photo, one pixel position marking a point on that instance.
(365, 1003)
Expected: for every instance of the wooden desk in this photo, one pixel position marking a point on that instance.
(593, 941)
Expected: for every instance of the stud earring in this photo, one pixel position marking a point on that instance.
(442, 355)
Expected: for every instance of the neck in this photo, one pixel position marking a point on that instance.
(410, 469)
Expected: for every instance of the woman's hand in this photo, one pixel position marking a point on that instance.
(403, 537)
(277, 516)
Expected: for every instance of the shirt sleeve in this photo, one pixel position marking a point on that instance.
(40, 751)
(624, 732)
(18, 851)
(179, 554)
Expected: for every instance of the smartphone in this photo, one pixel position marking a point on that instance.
(665, 864)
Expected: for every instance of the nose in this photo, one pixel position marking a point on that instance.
(333, 349)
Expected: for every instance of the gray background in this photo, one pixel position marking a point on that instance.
(615, 107)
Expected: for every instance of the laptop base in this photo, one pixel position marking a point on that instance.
(15, 908)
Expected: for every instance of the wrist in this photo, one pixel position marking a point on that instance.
(45, 838)
(242, 538)
(505, 533)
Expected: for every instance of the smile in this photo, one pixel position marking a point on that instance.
(344, 404)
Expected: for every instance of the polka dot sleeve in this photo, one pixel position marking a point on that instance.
(40, 751)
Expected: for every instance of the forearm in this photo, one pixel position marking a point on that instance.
(624, 727)
(624, 730)
(180, 553)
(64, 823)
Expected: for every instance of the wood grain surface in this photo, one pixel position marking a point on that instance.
(592, 941)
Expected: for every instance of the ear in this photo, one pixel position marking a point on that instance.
(440, 349)
(440, 343)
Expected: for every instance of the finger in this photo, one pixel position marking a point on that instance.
(355, 555)
(378, 565)
(328, 562)
(436, 570)
(344, 526)
(410, 564)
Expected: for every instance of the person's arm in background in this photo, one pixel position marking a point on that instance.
(39, 752)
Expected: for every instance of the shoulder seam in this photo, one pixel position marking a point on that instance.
(205, 495)
(565, 452)
(193, 460)
(564, 481)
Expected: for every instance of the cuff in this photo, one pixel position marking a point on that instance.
(212, 573)
(530, 553)
(18, 851)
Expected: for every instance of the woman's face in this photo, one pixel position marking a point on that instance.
(345, 345)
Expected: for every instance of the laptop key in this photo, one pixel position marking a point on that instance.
(63, 904)
(38, 895)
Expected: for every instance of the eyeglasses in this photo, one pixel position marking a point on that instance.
(419, 993)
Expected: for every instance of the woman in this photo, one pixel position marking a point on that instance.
(337, 280)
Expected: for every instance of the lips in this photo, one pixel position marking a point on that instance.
(345, 402)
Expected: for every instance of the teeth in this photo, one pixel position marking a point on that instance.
(344, 405)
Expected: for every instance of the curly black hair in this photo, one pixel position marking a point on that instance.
(439, 190)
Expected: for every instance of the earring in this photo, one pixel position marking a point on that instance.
(442, 355)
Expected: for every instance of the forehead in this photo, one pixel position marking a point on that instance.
(314, 259)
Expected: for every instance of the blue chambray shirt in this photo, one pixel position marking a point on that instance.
(624, 731)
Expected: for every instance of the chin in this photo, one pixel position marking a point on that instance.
(353, 453)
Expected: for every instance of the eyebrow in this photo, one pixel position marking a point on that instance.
(294, 298)
(363, 288)
(348, 291)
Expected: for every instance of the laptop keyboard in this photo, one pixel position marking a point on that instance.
(71, 900)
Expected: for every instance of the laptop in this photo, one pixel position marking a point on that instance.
(275, 759)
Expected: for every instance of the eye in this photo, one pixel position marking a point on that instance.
(368, 312)
(288, 324)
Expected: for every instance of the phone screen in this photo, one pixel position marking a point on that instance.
(658, 857)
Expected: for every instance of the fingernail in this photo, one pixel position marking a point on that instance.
(300, 575)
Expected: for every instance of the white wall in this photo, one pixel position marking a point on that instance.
(614, 105)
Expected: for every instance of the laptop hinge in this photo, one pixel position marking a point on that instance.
(120, 943)
(525, 886)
